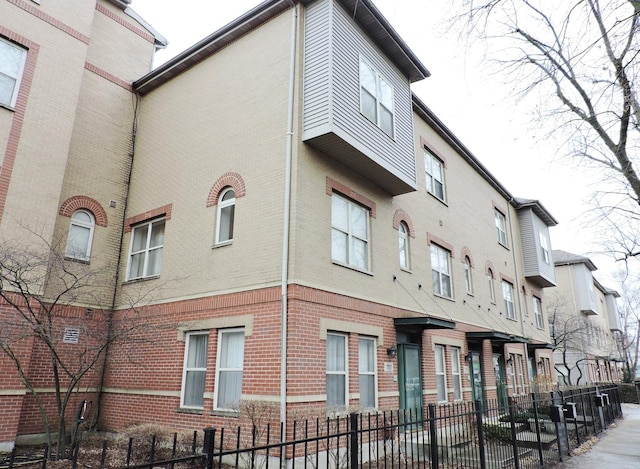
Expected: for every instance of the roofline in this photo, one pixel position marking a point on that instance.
(576, 259)
(267, 10)
(539, 210)
(159, 40)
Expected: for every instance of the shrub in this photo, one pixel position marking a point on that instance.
(496, 432)
(628, 393)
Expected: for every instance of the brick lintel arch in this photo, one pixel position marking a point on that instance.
(78, 202)
(227, 179)
(466, 252)
(401, 215)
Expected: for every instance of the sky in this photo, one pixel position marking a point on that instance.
(463, 92)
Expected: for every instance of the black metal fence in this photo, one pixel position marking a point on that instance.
(525, 432)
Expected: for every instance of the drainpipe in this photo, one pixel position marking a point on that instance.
(287, 214)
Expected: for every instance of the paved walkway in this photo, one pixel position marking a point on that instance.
(618, 448)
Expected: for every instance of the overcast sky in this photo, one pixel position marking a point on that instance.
(464, 94)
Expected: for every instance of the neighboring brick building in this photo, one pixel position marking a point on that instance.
(586, 324)
(298, 225)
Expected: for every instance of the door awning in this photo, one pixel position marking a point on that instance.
(540, 346)
(424, 322)
(496, 336)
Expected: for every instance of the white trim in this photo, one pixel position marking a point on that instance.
(18, 77)
(219, 368)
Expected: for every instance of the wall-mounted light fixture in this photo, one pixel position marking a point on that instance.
(392, 351)
(510, 361)
(540, 363)
(467, 357)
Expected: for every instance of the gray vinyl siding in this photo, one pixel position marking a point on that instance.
(613, 318)
(333, 47)
(534, 266)
(585, 290)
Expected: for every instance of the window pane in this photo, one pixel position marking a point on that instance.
(367, 391)
(137, 265)
(339, 246)
(228, 195)
(157, 234)
(404, 255)
(366, 355)
(197, 355)
(368, 104)
(336, 390)
(232, 350)
(435, 277)
(6, 89)
(367, 78)
(438, 190)
(386, 121)
(359, 218)
(230, 389)
(359, 253)
(440, 382)
(194, 388)
(340, 213)
(155, 261)
(226, 223)
(139, 238)
(78, 241)
(335, 353)
(10, 59)
(385, 95)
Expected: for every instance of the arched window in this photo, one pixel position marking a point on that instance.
(467, 274)
(80, 235)
(492, 286)
(403, 245)
(226, 210)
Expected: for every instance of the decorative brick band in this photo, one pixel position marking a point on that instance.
(108, 76)
(228, 179)
(18, 113)
(488, 266)
(78, 202)
(507, 279)
(140, 32)
(164, 211)
(335, 186)
(30, 8)
(402, 216)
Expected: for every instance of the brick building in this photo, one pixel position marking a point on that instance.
(289, 220)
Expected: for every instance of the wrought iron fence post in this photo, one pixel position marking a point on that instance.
(208, 446)
(433, 437)
(353, 430)
(514, 439)
(478, 411)
(536, 417)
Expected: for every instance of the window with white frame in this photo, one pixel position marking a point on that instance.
(441, 378)
(434, 170)
(441, 271)
(520, 373)
(501, 226)
(537, 311)
(336, 370)
(403, 245)
(492, 286)
(511, 369)
(80, 235)
(455, 373)
(468, 280)
(376, 98)
(349, 233)
(544, 247)
(225, 216)
(367, 371)
(12, 60)
(509, 305)
(195, 369)
(147, 242)
(230, 368)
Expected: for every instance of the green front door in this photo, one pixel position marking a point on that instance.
(409, 379)
(501, 382)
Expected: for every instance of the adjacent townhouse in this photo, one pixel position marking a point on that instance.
(289, 222)
(585, 323)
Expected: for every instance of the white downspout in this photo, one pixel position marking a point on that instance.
(286, 222)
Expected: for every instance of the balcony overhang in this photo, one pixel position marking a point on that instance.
(424, 322)
(540, 346)
(541, 281)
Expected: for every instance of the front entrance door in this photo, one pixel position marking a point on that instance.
(477, 386)
(409, 380)
(501, 382)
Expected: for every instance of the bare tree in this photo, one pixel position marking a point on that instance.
(56, 329)
(629, 313)
(568, 334)
(582, 58)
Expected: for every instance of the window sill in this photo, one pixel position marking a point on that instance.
(141, 279)
(443, 202)
(511, 319)
(409, 271)
(347, 266)
(188, 410)
(448, 298)
(225, 413)
(503, 245)
(7, 107)
(75, 259)
(221, 245)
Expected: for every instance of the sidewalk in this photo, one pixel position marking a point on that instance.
(618, 448)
